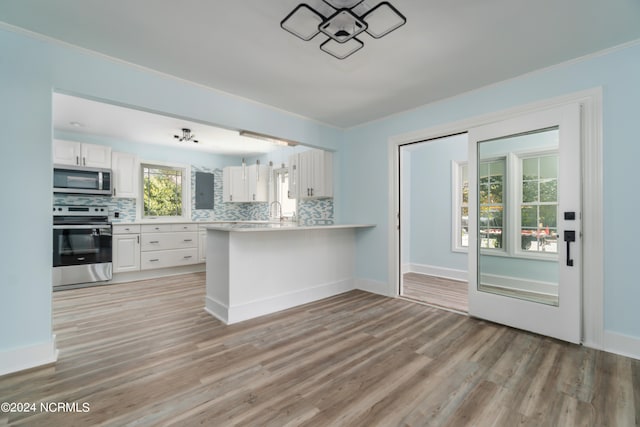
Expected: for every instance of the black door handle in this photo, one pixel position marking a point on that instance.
(569, 236)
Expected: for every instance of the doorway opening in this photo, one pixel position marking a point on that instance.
(434, 212)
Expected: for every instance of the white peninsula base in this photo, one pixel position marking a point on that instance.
(254, 271)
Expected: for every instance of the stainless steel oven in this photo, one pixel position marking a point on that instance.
(82, 245)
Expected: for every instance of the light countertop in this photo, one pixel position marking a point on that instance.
(286, 226)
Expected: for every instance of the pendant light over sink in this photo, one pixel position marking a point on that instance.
(346, 20)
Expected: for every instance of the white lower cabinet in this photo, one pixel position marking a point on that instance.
(168, 258)
(168, 245)
(126, 248)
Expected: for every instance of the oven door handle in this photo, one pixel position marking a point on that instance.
(81, 227)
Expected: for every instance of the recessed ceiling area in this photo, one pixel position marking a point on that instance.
(89, 117)
(445, 48)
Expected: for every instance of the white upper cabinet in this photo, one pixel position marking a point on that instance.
(234, 187)
(315, 174)
(293, 176)
(125, 174)
(248, 184)
(79, 154)
(258, 183)
(66, 152)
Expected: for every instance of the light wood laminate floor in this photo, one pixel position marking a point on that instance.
(146, 353)
(447, 293)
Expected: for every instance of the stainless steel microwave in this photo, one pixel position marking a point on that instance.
(82, 180)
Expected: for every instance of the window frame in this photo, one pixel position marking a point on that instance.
(516, 244)
(457, 167)
(275, 193)
(186, 191)
(512, 217)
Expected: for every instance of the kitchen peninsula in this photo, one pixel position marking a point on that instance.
(257, 269)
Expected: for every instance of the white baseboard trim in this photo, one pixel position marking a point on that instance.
(374, 287)
(133, 276)
(216, 309)
(28, 357)
(519, 283)
(621, 344)
(238, 313)
(444, 272)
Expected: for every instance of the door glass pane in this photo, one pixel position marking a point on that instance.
(518, 216)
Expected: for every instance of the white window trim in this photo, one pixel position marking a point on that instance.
(516, 247)
(456, 205)
(512, 215)
(186, 193)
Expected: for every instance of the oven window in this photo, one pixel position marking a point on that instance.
(81, 246)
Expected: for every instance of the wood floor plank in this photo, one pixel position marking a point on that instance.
(146, 353)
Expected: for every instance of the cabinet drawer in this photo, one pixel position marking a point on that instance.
(184, 227)
(187, 239)
(155, 228)
(126, 229)
(169, 258)
(162, 241)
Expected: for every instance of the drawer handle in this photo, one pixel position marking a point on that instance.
(154, 241)
(188, 240)
(187, 256)
(157, 228)
(154, 260)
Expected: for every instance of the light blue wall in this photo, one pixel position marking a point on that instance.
(365, 184)
(30, 70)
(430, 197)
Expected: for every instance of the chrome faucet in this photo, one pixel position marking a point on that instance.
(278, 207)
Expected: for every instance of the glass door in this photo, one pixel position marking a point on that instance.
(524, 222)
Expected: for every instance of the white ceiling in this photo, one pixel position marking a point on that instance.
(446, 47)
(84, 116)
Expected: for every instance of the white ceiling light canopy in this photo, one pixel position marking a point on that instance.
(186, 136)
(349, 19)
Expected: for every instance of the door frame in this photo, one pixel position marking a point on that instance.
(592, 195)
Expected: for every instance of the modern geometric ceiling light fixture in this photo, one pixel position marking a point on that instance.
(347, 19)
(186, 136)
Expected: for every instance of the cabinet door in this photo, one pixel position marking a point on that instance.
(66, 152)
(293, 177)
(322, 174)
(234, 184)
(258, 183)
(125, 175)
(97, 156)
(305, 174)
(315, 174)
(126, 253)
(226, 184)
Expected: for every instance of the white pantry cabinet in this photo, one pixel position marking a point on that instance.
(80, 154)
(125, 174)
(126, 248)
(314, 174)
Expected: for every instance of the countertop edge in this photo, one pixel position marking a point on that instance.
(275, 227)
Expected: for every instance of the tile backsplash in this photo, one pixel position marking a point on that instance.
(310, 212)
